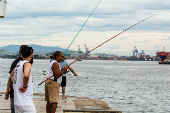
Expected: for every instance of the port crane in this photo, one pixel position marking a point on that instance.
(80, 53)
(142, 53)
(87, 50)
(135, 52)
(3, 4)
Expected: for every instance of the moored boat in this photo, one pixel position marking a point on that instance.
(164, 56)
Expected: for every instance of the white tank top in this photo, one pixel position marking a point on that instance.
(22, 99)
(50, 72)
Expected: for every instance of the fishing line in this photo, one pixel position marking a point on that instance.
(82, 27)
(38, 70)
(104, 43)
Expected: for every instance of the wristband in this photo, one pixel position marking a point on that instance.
(25, 87)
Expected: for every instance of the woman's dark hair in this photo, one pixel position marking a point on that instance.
(26, 51)
(55, 54)
(52, 56)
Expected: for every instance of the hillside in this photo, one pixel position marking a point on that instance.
(37, 48)
(3, 51)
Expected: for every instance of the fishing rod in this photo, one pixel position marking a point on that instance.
(82, 27)
(103, 43)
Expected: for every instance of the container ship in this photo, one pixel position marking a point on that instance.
(143, 59)
(164, 56)
(141, 56)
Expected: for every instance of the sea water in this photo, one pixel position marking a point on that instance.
(128, 86)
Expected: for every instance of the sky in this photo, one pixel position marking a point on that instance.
(56, 23)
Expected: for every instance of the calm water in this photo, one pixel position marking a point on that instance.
(129, 86)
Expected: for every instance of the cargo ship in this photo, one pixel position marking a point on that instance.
(164, 56)
(143, 59)
(141, 56)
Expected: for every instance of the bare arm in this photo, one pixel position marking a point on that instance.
(9, 85)
(56, 70)
(27, 69)
(12, 75)
(72, 71)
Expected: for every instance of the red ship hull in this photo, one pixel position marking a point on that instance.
(163, 55)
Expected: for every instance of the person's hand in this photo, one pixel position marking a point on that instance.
(75, 74)
(22, 89)
(66, 67)
(6, 95)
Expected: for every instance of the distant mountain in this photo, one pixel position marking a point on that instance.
(3, 51)
(37, 48)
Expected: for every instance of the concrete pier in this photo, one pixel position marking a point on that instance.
(70, 105)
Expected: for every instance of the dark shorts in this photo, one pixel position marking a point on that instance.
(63, 83)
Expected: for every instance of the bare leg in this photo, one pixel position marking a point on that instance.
(63, 92)
(54, 107)
(47, 107)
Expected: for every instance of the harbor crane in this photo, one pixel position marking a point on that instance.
(80, 53)
(87, 50)
(3, 5)
(135, 52)
(142, 53)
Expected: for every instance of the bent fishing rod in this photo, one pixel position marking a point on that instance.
(102, 44)
(82, 27)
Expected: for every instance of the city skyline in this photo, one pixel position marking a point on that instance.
(48, 49)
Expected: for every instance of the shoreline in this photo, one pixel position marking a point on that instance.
(71, 104)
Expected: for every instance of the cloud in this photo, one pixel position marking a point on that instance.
(124, 38)
(113, 47)
(144, 41)
(157, 46)
(54, 23)
(167, 38)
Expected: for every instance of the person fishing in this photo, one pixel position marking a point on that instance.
(62, 64)
(23, 83)
(102, 44)
(9, 90)
(74, 39)
(52, 85)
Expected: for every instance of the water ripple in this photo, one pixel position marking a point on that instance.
(132, 87)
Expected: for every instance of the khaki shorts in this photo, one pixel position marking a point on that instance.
(52, 90)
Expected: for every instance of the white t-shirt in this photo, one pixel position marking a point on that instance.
(50, 72)
(22, 99)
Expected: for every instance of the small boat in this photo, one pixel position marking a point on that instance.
(79, 60)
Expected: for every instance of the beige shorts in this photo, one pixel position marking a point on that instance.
(52, 90)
